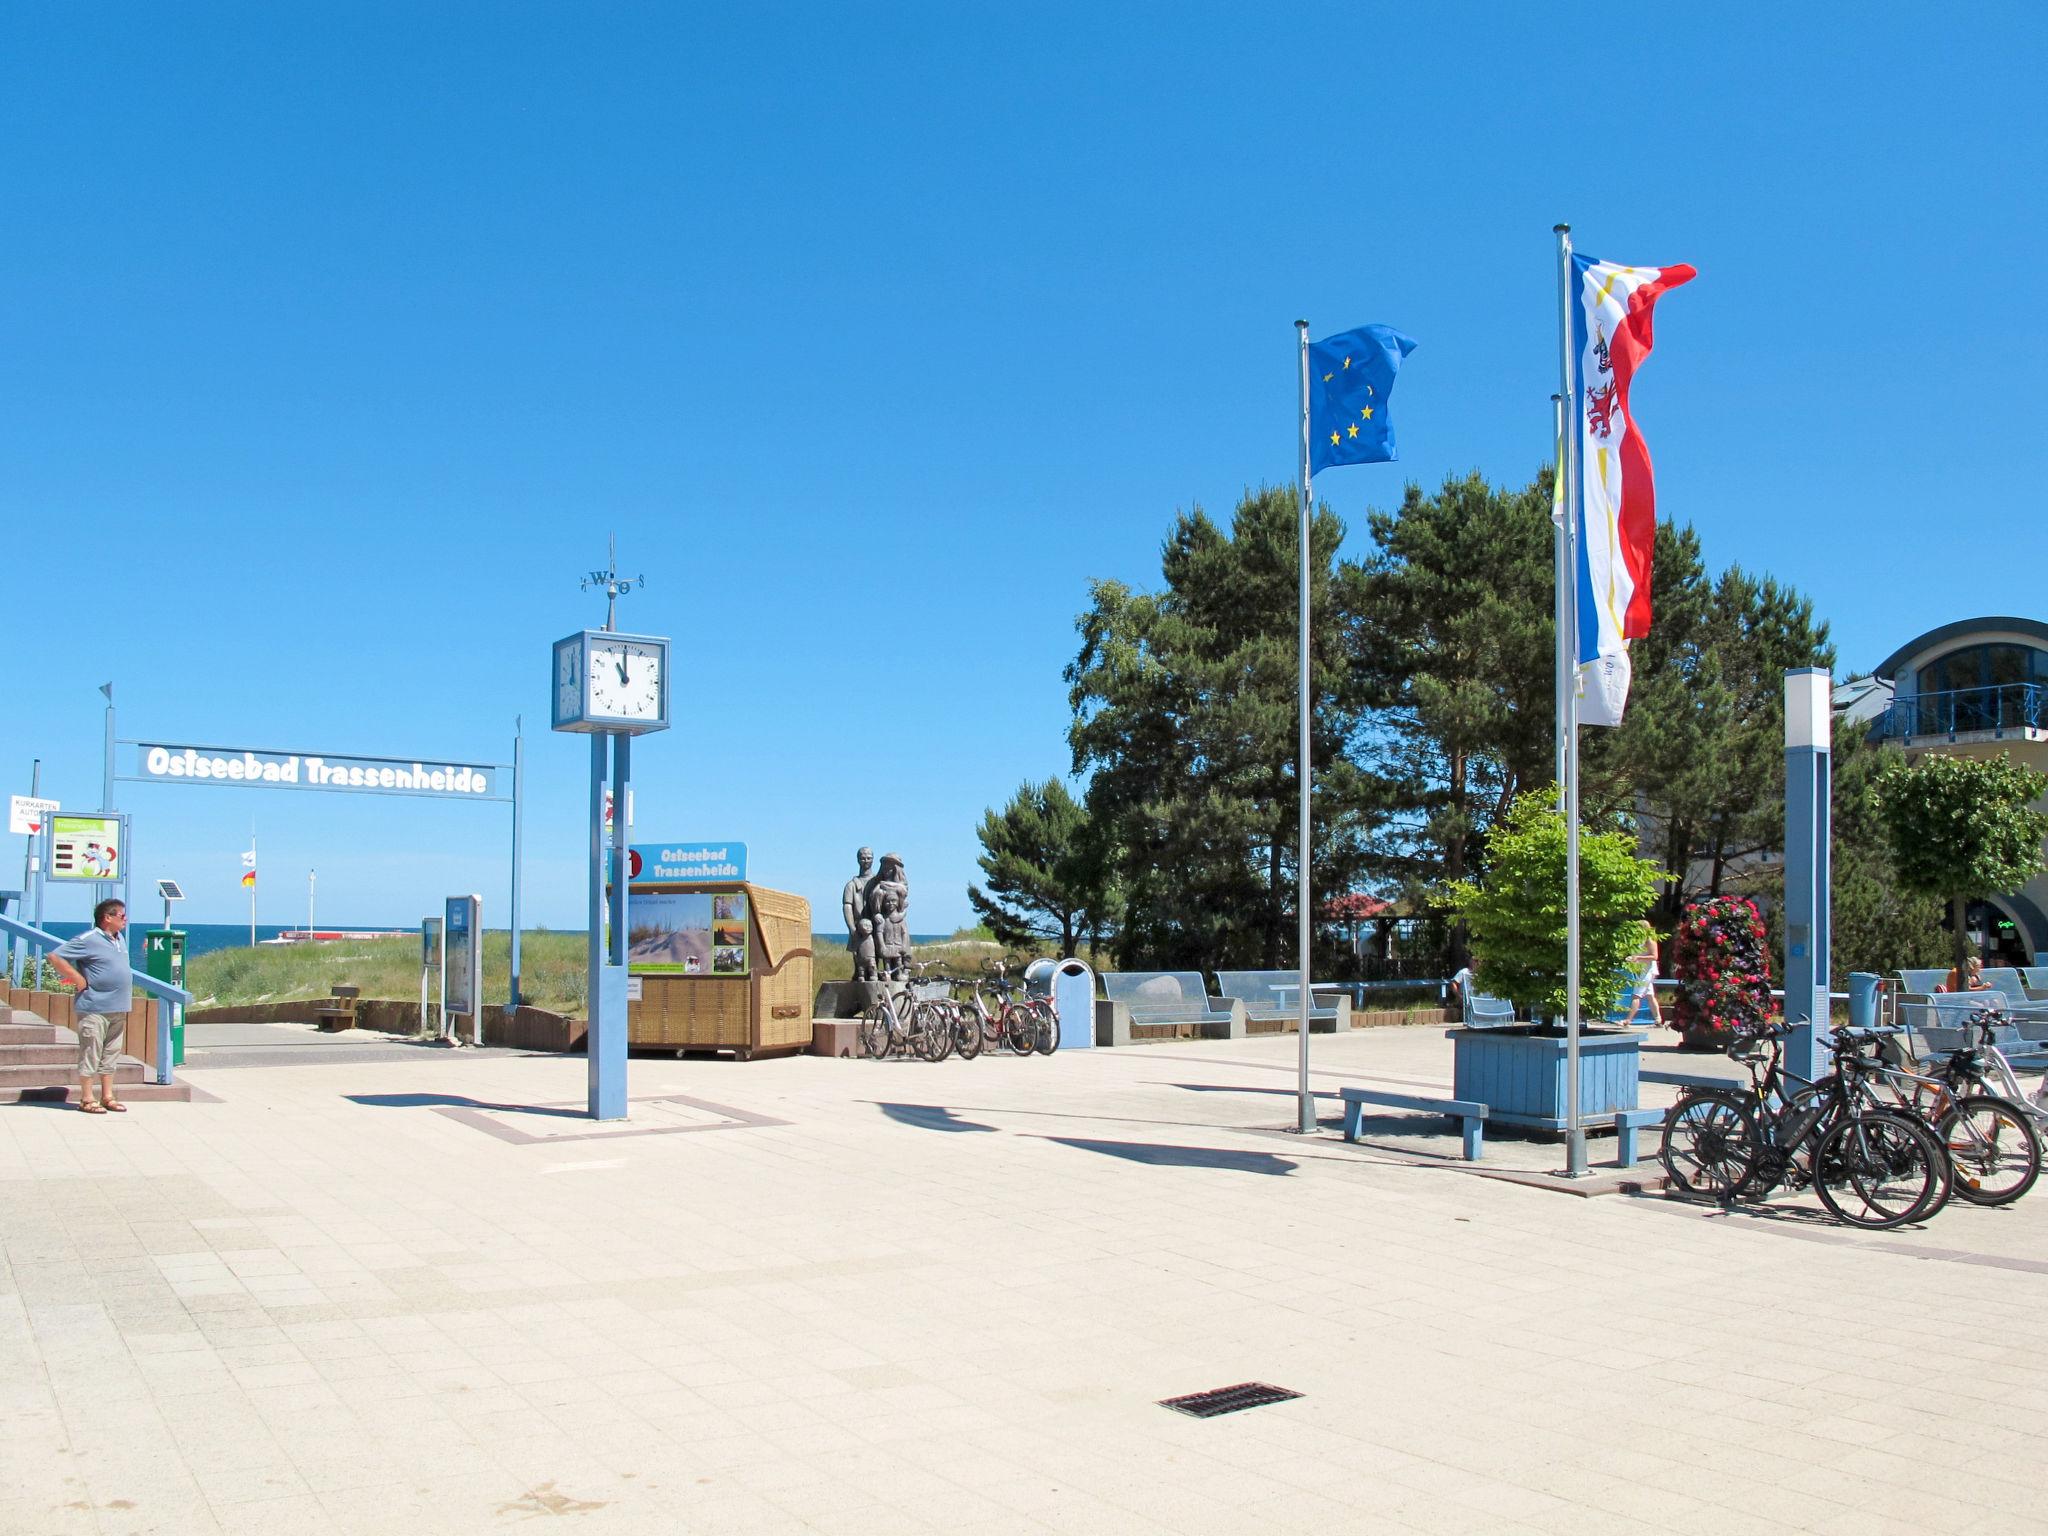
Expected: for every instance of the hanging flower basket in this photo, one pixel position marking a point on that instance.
(1723, 969)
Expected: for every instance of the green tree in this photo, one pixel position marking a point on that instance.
(1185, 717)
(1516, 912)
(1455, 652)
(1964, 828)
(1046, 873)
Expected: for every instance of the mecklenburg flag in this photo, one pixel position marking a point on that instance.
(248, 877)
(1617, 496)
(1349, 379)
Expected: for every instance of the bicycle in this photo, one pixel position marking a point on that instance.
(1025, 1025)
(1873, 1168)
(901, 1020)
(1991, 1141)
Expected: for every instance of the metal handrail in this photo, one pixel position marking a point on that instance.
(1997, 707)
(40, 941)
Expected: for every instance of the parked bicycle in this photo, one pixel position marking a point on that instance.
(902, 1021)
(1024, 1024)
(1872, 1167)
(1991, 1140)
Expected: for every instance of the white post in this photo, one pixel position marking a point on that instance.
(254, 878)
(1561, 607)
(1575, 1133)
(1305, 773)
(309, 906)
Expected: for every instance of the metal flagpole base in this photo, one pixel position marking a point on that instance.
(1575, 1154)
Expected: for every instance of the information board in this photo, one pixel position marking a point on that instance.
(85, 847)
(463, 984)
(676, 933)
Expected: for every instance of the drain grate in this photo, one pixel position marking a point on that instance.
(1246, 1394)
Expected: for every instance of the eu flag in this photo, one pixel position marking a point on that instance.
(1349, 379)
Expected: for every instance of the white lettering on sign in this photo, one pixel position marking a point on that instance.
(304, 771)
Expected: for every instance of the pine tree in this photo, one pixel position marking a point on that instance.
(1045, 869)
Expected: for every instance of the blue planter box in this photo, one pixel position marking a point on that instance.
(1520, 1077)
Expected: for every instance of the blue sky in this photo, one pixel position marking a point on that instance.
(333, 341)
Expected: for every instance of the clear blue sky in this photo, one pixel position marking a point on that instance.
(334, 339)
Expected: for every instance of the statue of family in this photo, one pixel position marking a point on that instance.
(877, 930)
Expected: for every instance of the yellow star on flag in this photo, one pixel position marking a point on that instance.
(1366, 412)
(1328, 376)
(1347, 362)
(1353, 431)
(1333, 439)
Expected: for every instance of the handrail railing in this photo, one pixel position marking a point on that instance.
(1997, 708)
(40, 941)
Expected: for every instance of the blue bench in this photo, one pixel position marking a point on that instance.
(1626, 1123)
(1471, 1117)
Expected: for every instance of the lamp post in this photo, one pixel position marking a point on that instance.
(1808, 826)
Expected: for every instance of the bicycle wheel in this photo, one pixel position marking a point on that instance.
(966, 1032)
(1048, 1038)
(1709, 1144)
(1879, 1170)
(1994, 1148)
(1020, 1032)
(874, 1033)
(931, 1032)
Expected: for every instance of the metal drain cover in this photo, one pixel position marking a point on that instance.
(1246, 1394)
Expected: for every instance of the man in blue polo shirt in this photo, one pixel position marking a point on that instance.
(96, 962)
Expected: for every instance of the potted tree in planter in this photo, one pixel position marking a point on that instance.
(1516, 916)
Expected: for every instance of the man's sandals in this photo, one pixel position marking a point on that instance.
(113, 1106)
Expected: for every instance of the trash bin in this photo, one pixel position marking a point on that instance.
(1071, 986)
(1863, 987)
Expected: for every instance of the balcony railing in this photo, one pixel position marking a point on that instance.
(1962, 711)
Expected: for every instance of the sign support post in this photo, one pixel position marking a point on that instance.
(518, 817)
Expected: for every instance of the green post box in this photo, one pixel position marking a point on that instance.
(163, 956)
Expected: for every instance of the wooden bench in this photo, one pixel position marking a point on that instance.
(339, 1011)
(1471, 1117)
(1626, 1123)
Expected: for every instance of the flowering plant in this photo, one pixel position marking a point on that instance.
(1723, 970)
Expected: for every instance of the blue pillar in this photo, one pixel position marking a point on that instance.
(606, 1043)
(1808, 825)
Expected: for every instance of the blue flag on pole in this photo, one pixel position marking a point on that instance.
(1349, 379)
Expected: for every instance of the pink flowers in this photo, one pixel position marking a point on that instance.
(1723, 973)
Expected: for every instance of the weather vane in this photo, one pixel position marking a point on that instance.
(612, 582)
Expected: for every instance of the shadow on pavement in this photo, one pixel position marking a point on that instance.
(1180, 1157)
(459, 1101)
(929, 1117)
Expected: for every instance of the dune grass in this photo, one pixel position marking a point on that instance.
(552, 966)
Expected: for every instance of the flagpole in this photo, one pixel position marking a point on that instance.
(252, 888)
(1575, 1133)
(1305, 774)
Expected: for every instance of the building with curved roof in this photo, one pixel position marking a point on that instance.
(1975, 688)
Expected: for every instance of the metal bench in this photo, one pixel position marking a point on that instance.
(1141, 1005)
(1470, 1115)
(1274, 997)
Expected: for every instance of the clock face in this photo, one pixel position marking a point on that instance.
(568, 678)
(625, 679)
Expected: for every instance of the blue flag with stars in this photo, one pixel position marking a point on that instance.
(1349, 379)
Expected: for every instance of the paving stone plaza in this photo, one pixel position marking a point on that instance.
(366, 1287)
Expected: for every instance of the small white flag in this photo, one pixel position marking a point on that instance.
(1603, 689)
(248, 858)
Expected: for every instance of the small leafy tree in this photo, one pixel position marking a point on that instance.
(1046, 874)
(1718, 955)
(1963, 828)
(1516, 915)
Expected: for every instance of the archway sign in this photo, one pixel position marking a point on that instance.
(164, 761)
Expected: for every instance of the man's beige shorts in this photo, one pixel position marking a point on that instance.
(99, 1042)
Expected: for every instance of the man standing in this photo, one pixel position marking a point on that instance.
(860, 927)
(96, 962)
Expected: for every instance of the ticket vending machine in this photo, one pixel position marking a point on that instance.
(163, 956)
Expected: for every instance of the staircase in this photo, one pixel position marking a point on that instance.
(39, 1065)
